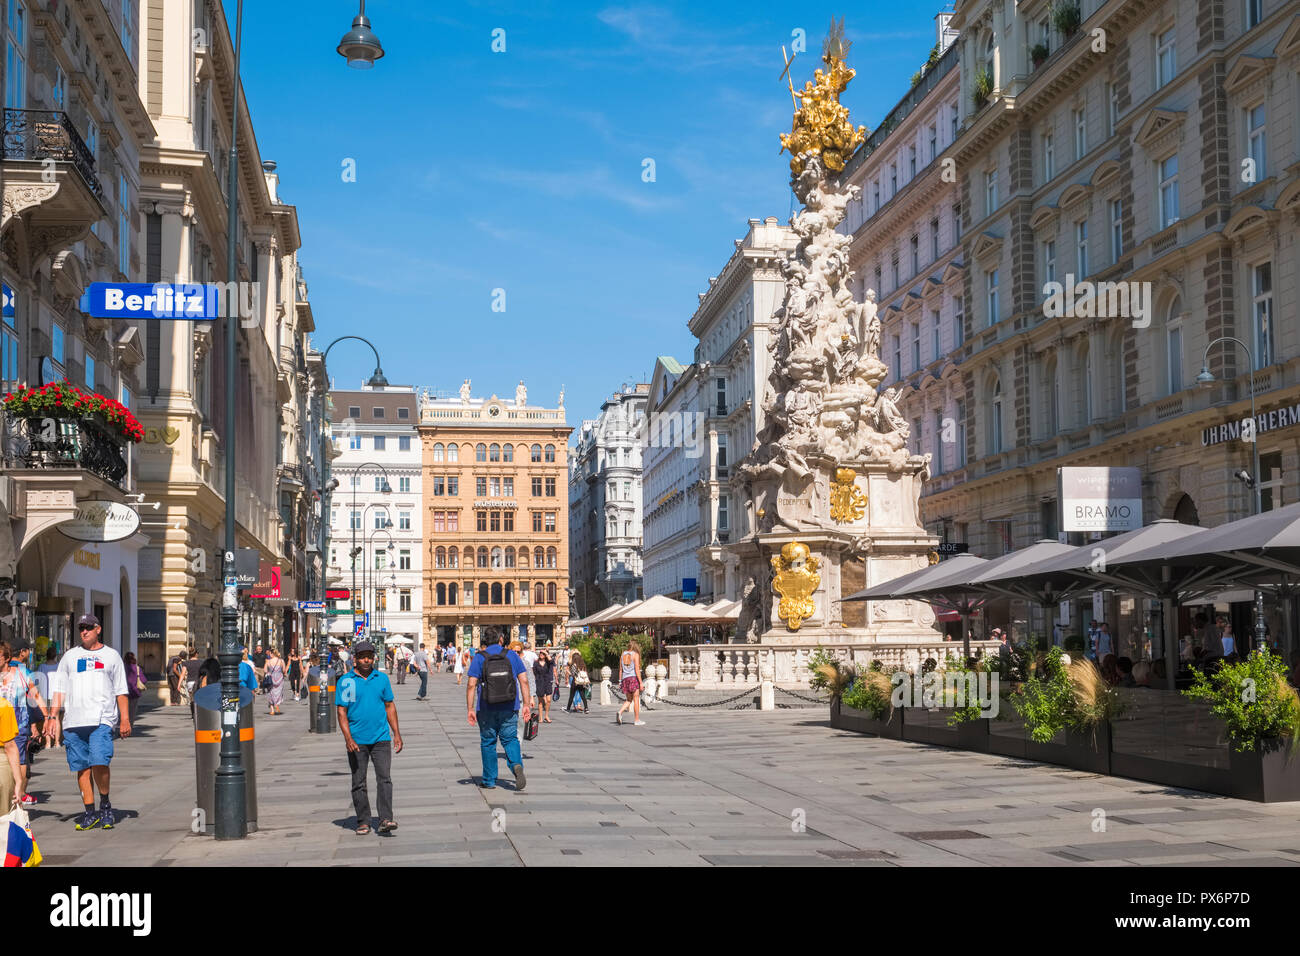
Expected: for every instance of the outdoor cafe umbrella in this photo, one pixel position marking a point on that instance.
(399, 639)
(662, 609)
(937, 582)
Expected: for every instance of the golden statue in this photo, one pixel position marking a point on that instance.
(795, 580)
(848, 503)
(933, 557)
(821, 125)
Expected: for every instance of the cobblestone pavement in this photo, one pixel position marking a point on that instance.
(697, 787)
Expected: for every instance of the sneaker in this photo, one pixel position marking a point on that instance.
(520, 781)
(618, 718)
(28, 800)
(639, 723)
(107, 820)
(88, 820)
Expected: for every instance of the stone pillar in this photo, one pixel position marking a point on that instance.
(767, 692)
(605, 699)
(651, 685)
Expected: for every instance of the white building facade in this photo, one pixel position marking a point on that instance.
(671, 484)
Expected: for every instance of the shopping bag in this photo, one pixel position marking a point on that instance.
(20, 845)
(531, 726)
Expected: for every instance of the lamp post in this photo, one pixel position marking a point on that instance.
(367, 576)
(1206, 379)
(359, 46)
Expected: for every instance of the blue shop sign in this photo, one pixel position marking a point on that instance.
(190, 301)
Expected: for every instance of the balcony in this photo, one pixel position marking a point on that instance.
(57, 443)
(64, 198)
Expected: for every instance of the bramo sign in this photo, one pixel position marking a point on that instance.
(192, 301)
(1100, 499)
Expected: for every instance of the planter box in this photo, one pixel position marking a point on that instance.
(861, 721)
(1076, 749)
(924, 726)
(1268, 775)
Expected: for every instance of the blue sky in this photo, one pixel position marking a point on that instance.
(522, 171)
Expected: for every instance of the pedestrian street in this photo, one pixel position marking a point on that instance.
(693, 787)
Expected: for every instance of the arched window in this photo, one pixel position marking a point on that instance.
(995, 419)
(1174, 346)
(508, 454)
(480, 452)
(453, 453)
(437, 451)
(496, 593)
(1185, 511)
(453, 557)
(483, 593)
(550, 557)
(523, 557)
(498, 558)
(451, 593)
(442, 593)
(440, 559)
(510, 592)
(550, 453)
(539, 594)
(482, 557)
(550, 593)
(539, 558)
(536, 453)
(510, 557)
(494, 452)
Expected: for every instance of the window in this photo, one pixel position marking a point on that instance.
(379, 443)
(961, 434)
(453, 453)
(990, 191)
(1081, 246)
(480, 486)
(16, 57)
(1166, 60)
(404, 414)
(893, 180)
(627, 485)
(1080, 133)
(1049, 261)
(377, 411)
(956, 222)
(9, 370)
(439, 486)
(404, 443)
(441, 592)
(381, 519)
(959, 321)
(379, 483)
(911, 163)
(494, 487)
(916, 345)
(721, 384)
(1112, 109)
(934, 141)
(537, 487)
(356, 521)
(480, 521)
(508, 453)
(551, 558)
(991, 288)
(1168, 179)
(453, 485)
(550, 521)
(550, 487)
(539, 558)
(507, 521)
(1116, 230)
(453, 522)
(938, 443)
(1254, 13)
(1049, 158)
(482, 557)
(403, 521)
(508, 487)
(956, 119)
(354, 411)
(898, 357)
(480, 452)
(875, 195)
(438, 521)
(995, 420)
(498, 558)
(894, 265)
(90, 371)
(934, 239)
(494, 452)
(1175, 356)
(721, 463)
(550, 453)
(1255, 141)
(724, 508)
(404, 485)
(356, 481)
(916, 254)
(123, 225)
(934, 335)
(437, 451)
(1262, 312)
(535, 453)
(537, 521)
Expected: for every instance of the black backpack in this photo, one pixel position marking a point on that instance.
(498, 679)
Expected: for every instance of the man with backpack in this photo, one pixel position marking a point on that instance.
(501, 682)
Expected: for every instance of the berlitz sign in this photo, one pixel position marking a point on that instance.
(183, 300)
(1100, 499)
(101, 521)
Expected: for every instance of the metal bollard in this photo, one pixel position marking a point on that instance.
(207, 753)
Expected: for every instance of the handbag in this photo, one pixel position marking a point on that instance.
(555, 694)
(583, 679)
(531, 726)
(20, 847)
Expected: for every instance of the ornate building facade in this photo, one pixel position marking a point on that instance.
(605, 503)
(496, 521)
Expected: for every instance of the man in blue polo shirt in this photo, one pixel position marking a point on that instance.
(366, 714)
(499, 721)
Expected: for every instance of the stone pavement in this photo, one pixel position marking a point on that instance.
(694, 787)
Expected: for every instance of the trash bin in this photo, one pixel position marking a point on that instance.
(207, 755)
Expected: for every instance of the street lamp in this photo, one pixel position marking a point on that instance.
(1206, 379)
(366, 575)
(359, 45)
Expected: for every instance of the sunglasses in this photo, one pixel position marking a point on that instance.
(86, 627)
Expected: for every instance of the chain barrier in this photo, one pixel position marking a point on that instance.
(712, 703)
(815, 700)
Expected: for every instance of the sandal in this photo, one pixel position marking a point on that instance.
(363, 829)
(387, 825)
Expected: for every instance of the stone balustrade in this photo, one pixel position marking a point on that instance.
(711, 666)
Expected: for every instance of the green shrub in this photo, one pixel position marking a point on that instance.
(1252, 698)
(1038, 53)
(1066, 17)
(983, 87)
(871, 692)
(1056, 696)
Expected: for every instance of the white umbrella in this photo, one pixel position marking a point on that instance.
(399, 640)
(335, 640)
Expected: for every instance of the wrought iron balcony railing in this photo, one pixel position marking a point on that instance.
(64, 443)
(48, 134)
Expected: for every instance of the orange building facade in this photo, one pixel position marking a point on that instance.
(495, 483)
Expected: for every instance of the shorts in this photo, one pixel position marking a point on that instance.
(629, 686)
(24, 737)
(88, 746)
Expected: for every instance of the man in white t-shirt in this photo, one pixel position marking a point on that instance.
(92, 693)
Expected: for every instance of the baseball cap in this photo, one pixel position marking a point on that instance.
(363, 647)
(88, 620)
(19, 644)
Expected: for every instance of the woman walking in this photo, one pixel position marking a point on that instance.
(577, 684)
(275, 677)
(629, 666)
(295, 671)
(544, 675)
(462, 662)
(135, 684)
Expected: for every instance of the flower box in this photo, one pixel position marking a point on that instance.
(861, 721)
(1268, 774)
